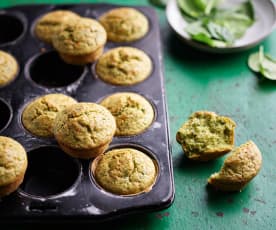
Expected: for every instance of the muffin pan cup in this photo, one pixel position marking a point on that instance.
(49, 191)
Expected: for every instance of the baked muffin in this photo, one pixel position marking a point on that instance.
(8, 68)
(124, 24)
(13, 165)
(39, 115)
(52, 22)
(80, 42)
(124, 66)
(206, 135)
(132, 112)
(84, 130)
(125, 171)
(240, 167)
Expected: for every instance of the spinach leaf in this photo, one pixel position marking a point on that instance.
(193, 8)
(214, 26)
(263, 63)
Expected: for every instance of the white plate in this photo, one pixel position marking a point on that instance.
(265, 14)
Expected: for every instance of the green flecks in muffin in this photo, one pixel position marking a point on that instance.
(124, 66)
(206, 132)
(125, 171)
(133, 113)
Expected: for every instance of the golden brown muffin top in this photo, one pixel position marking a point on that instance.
(133, 113)
(13, 160)
(80, 37)
(50, 23)
(39, 115)
(205, 135)
(84, 126)
(124, 66)
(125, 171)
(8, 68)
(241, 166)
(124, 24)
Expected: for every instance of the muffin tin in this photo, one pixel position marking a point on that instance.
(56, 186)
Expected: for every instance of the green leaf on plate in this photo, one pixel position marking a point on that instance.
(196, 8)
(263, 63)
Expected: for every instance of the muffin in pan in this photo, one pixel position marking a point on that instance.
(8, 68)
(13, 165)
(239, 168)
(206, 136)
(124, 66)
(39, 115)
(125, 171)
(84, 130)
(124, 24)
(80, 41)
(133, 112)
(52, 22)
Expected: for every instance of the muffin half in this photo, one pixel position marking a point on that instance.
(84, 130)
(39, 115)
(124, 24)
(125, 171)
(8, 68)
(133, 113)
(239, 168)
(13, 165)
(206, 136)
(80, 42)
(124, 66)
(52, 22)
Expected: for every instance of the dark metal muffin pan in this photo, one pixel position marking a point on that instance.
(56, 186)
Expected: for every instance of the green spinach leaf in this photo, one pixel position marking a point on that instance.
(263, 63)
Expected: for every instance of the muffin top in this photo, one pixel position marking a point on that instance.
(241, 166)
(133, 113)
(84, 126)
(52, 22)
(8, 68)
(124, 66)
(39, 115)
(124, 24)
(206, 135)
(125, 171)
(80, 37)
(13, 160)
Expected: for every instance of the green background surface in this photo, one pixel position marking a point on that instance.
(220, 83)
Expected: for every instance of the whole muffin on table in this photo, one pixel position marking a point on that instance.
(125, 171)
(52, 22)
(8, 68)
(39, 115)
(206, 136)
(124, 24)
(84, 130)
(239, 168)
(13, 165)
(80, 42)
(124, 66)
(133, 113)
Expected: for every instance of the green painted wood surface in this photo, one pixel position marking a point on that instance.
(224, 84)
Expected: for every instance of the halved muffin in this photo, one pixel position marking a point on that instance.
(239, 168)
(206, 136)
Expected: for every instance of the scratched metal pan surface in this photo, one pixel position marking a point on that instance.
(56, 186)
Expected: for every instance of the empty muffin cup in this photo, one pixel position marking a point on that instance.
(6, 114)
(15, 21)
(48, 70)
(125, 171)
(50, 173)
